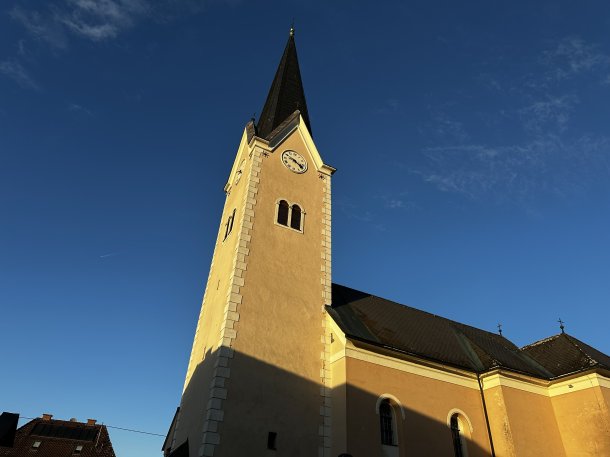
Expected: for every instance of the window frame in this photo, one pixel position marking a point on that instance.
(398, 418)
(289, 221)
(228, 226)
(464, 429)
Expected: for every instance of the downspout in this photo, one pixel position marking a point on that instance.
(491, 440)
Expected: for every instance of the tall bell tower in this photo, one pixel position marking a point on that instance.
(258, 379)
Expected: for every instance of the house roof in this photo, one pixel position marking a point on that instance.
(384, 323)
(286, 94)
(563, 354)
(59, 438)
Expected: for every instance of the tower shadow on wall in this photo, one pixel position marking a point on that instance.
(276, 421)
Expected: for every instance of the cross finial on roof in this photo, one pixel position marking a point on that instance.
(292, 28)
(500, 329)
(561, 326)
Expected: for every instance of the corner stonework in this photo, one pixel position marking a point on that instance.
(222, 371)
(324, 431)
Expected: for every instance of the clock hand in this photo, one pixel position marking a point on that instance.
(300, 166)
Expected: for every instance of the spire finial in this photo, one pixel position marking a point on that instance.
(500, 329)
(292, 28)
(561, 326)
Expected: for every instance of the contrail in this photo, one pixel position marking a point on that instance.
(112, 254)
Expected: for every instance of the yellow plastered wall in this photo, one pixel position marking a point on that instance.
(259, 363)
(427, 404)
(533, 427)
(583, 418)
(276, 375)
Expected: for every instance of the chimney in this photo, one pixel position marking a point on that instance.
(47, 417)
(73, 419)
(91, 421)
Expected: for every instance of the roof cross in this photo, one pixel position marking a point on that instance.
(500, 329)
(561, 326)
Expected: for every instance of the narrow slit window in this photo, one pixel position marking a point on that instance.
(231, 220)
(295, 219)
(282, 213)
(271, 441)
(229, 225)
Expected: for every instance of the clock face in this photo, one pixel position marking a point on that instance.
(294, 161)
(239, 171)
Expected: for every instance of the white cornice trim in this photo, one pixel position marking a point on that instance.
(499, 380)
(551, 389)
(313, 150)
(489, 381)
(580, 383)
(402, 365)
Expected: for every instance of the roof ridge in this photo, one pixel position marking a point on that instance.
(571, 339)
(539, 342)
(427, 312)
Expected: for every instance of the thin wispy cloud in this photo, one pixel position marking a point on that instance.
(396, 201)
(58, 21)
(573, 56)
(43, 25)
(74, 107)
(551, 113)
(390, 106)
(102, 19)
(546, 159)
(545, 165)
(110, 254)
(96, 20)
(15, 71)
(21, 48)
(446, 127)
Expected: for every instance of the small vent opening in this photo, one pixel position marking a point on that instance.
(271, 441)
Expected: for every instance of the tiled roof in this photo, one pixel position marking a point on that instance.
(563, 354)
(60, 438)
(384, 323)
(286, 94)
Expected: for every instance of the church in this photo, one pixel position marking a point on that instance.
(286, 363)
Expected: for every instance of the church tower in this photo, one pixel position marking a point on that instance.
(258, 379)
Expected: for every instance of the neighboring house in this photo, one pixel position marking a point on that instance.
(286, 363)
(48, 437)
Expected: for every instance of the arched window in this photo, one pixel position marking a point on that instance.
(282, 213)
(290, 215)
(295, 218)
(387, 423)
(457, 435)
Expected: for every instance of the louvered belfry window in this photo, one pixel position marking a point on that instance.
(386, 417)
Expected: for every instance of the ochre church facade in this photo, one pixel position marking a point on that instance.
(286, 363)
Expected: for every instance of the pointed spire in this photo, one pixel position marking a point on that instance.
(286, 94)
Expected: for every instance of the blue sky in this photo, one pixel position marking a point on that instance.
(473, 151)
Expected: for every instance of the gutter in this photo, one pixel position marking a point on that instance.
(491, 440)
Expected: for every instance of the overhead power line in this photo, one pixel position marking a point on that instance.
(109, 426)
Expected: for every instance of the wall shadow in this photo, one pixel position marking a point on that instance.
(264, 399)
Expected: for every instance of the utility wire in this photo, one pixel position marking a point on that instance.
(135, 431)
(109, 426)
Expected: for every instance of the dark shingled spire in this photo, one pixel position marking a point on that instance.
(286, 94)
